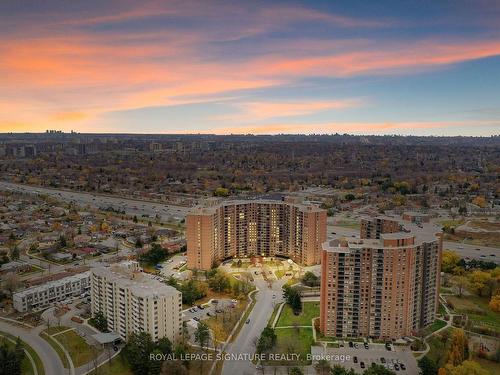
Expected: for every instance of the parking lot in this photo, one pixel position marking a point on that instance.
(208, 308)
(373, 354)
(171, 266)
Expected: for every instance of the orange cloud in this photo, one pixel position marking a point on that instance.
(255, 111)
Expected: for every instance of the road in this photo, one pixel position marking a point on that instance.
(49, 357)
(130, 206)
(261, 312)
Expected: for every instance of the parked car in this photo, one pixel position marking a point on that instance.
(355, 359)
(362, 364)
(248, 321)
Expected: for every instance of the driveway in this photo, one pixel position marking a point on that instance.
(261, 312)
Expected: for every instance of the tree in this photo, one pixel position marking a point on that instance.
(296, 371)
(310, 279)
(466, 368)
(292, 297)
(155, 255)
(99, 321)
(267, 340)
(62, 241)
(221, 192)
(11, 282)
(495, 303)
(11, 358)
(322, 367)
(202, 334)
(449, 261)
(459, 348)
(479, 280)
(219, 282)
(376, 369)
(461, 282)
(427, 366)
(164, 345)
(480, 201)
(137, 350)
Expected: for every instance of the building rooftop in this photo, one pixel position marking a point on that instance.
(211, 207)
(128, 275)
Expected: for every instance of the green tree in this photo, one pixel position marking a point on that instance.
(164, 345)
(267, 340)
(202, 334)
(376, 369)
(427, 366)
(99, 321)
(310, 279)
(219, 282)
(14, 255)
(296, 371)
(137, 350)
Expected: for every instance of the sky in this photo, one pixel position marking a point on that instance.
(421, 67)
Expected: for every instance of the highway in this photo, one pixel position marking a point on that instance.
(464, 250)
(130, 206)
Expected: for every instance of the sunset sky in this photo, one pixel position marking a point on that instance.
(428, 67)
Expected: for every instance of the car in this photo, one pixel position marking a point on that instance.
(382, 359)
(477, 249)
(215, 301)
(234, 301)
(396, 367)
(403, 367)
(218, 311)
(366, 345)
(115, 348)
(248, 321)
(270, 272)
(483, 256)
(208, 314)
(388, 346)
(362, 364)
(351, 344)
(200, 307)
(492, 255)
(355, 359)
(274, 296)
(196, 318)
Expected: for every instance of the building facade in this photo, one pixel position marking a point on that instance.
(134, 302)
(383, 285)
(243, 229)
(49, 293)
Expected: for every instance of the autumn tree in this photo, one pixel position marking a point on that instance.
(459, 348)
(449, 261)
(466, 368)
(495, 303)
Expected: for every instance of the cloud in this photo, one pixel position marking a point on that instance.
(264, 110)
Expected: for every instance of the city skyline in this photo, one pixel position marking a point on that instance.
(237, 67)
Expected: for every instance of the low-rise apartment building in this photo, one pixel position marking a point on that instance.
(135, 302)
(383, 285)
(51, 292)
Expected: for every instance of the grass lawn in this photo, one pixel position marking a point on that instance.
(117, 366)
(441, 309)
(293, 341)
(438, 324)
(79, 350)
(477, 309)
(492, 367)
(310, 310)
(279, 273)
(26, 366)
(352, 224)
(56, 329)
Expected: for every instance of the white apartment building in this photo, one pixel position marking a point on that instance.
(54, 291)
(135, 302)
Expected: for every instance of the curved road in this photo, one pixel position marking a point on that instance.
(49, 357)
